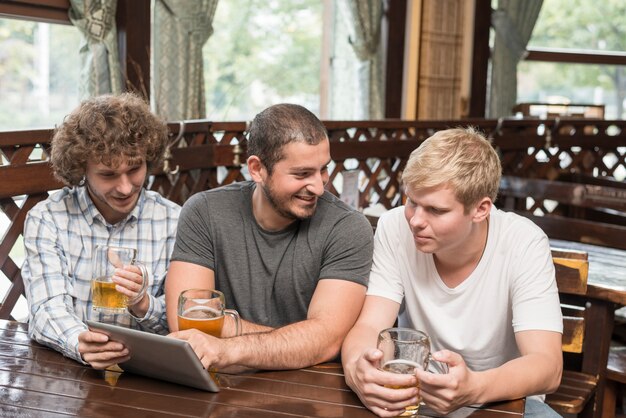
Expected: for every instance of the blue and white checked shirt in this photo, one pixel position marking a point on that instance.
(60, 234)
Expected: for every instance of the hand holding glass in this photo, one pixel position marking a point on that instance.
(204, 310)
(105, 298)
(405, 350)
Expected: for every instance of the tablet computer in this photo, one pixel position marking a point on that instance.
(160, 357)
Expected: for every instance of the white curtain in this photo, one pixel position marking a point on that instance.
(100, 66)
(364, 19)
(513, 22)
(180, 30)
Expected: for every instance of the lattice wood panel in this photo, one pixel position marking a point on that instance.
(555, 149)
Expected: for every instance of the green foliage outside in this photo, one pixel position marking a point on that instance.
(578, 24)
(262, 53)
(31, 99)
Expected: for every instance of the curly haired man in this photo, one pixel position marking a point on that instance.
(103, 151)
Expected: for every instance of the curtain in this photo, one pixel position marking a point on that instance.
(364, 18)
(100, 67)
(180, 30)
(513, 22)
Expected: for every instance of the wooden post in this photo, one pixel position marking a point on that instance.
(133, 35)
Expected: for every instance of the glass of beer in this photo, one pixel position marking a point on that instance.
(106, 259)
(204, 310)
(404, 350)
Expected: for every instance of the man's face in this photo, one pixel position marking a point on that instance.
(115, 190)
(297, 180)
(437, 219)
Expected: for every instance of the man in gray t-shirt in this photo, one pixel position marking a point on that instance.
(290, 257)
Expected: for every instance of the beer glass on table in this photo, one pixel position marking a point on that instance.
(106, 259)
(204, 310)
(404, 350)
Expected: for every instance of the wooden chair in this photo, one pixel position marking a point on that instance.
(587, 327)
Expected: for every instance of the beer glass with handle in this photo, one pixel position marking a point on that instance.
(204, 310)
(404, 350)
(106, 259)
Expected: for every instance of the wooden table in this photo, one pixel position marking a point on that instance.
(607, 270)
(36, 381)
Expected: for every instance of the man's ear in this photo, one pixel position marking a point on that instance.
(256, 169)
(482, 209)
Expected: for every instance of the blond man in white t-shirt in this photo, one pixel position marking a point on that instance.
(478, 280)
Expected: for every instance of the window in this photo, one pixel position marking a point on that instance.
(586, 24)
(39, 73)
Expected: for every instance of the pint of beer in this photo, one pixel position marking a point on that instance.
(204, 310)
(404, 350)
(104, 297)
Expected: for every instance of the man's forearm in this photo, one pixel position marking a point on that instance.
(248, 327)
(293, 346)
(527, 375)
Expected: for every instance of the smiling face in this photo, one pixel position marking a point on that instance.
(438, 221)
(115, 190)
(291, 191)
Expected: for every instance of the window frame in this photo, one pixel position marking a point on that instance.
(54, 11)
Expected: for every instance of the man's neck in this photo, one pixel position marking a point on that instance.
(456, 265)
(265, 214)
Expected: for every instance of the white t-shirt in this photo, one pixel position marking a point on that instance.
(512, 289)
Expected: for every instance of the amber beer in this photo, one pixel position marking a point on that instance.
(106, 298)
(401, 366)
(203, 309)
(202, 318)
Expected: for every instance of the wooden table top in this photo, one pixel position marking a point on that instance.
(36, 381)
(607, 270)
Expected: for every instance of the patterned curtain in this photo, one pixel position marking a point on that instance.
(513, 22)
(180, 30)
(364, 18)
(100, 66)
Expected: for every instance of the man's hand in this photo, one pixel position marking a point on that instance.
(100, 352)
(445, 393)
(128, 281)
(210, 350)
(375, 387)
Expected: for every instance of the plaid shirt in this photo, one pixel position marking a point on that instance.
(60, 234)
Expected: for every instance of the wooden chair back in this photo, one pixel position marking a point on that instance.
(587, 328)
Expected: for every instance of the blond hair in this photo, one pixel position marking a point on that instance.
(459, 158)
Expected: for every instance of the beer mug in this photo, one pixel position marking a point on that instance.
(204, 310)
(404, 350)
(106, 259)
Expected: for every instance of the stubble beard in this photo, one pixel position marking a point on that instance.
(281, 207)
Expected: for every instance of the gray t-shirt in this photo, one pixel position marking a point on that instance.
(270, 277)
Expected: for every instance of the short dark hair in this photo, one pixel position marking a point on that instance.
(107, 129)
(277, 126)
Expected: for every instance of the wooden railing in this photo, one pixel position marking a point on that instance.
(209, 154)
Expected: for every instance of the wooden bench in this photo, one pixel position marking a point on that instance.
(553, 202)
(587, 328)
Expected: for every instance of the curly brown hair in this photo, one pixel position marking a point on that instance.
(109, 130)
